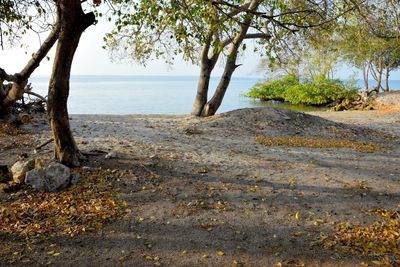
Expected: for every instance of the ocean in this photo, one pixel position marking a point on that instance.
(122, 95)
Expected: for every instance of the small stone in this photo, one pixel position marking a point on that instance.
(20, 168)
(111, 155)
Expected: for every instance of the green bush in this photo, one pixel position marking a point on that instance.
(272, 90)
(320, 91)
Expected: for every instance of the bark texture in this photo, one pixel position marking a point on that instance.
(73, 22)
(206, 67)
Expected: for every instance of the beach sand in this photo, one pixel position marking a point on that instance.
(203, 192)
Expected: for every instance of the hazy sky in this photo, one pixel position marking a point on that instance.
(91, 59)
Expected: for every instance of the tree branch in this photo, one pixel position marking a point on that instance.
(34, 62)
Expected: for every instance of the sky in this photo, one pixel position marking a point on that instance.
(91, 59)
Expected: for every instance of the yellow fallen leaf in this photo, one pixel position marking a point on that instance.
(221, 253)
(298, 216)
(56, 254)
(298, 233)
(149, 258)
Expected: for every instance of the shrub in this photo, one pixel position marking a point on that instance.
(320, 91)
(272, 90)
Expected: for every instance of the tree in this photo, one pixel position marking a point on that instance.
(370, 39)
(67, 29)
(73, 21)
(15, 21)
(307, 55)
(217, 28)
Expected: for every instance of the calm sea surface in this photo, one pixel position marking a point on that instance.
(147, 94)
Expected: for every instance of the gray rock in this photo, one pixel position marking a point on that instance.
(20, 168)
(35, 178)
(50, 179)
(57, 176)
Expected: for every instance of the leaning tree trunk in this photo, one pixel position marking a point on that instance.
(73, 22)
(18, 81)
(377, 74)
(215, 102)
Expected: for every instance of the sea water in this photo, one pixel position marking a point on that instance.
(123, 95)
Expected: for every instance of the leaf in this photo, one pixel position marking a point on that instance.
(298, 216)
(220, 253)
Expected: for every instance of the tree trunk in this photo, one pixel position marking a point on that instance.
(387, 75)
(366, 76)
(202, 89)
(215, 102)
(73, 22)
(230, 66)
(377, 74)
(207, 65)
(379, 86)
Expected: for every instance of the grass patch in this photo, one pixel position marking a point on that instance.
(317, 142)
(81, 208)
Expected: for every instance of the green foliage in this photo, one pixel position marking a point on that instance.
(272, 90)
(19, 17)
(320, 91)
(150, 29)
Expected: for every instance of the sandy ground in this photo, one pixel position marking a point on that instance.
(203, 192)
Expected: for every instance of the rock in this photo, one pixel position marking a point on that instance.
(50, 179)
(57, 176)
(20, 168)
(36, 179)
(112, 155)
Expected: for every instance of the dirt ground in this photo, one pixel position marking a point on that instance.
(203, 192)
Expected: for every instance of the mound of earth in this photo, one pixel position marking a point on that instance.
(281, 122)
